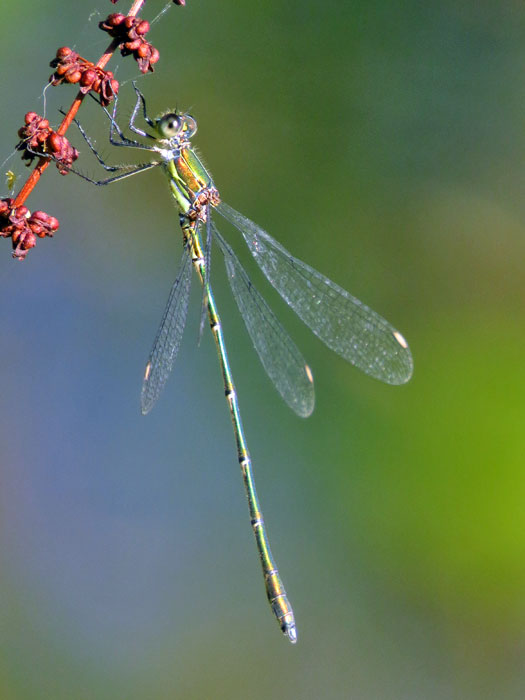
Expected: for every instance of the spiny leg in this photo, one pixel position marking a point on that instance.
(110, 168)
(129, 169)
(124, 140)
(109, 180)
(150, 122)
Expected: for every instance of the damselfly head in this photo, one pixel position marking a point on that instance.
(176, 126)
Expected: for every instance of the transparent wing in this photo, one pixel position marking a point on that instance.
(279, 355)
(207, 271)
(167, 341)
(345, 324)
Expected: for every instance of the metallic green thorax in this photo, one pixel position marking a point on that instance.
(187, 178)
(193, 190)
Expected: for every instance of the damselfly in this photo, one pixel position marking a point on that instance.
(346, 325)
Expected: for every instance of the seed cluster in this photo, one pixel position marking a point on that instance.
(23, 227)
(130, 33)
(72, 68)
(39, 140)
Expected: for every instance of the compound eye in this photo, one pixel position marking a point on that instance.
(169, 125)
(190, 126)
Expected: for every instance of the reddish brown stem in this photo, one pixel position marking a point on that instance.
(43, 163)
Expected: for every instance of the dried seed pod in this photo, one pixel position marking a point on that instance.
(23, 227)
(39, 140)
(42, 224)
(72, 68)
(130, 33)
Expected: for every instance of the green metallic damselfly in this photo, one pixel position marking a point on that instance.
(346, 325)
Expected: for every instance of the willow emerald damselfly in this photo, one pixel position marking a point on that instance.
(341, 321)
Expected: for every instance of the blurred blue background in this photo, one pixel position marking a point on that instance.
(384, 143)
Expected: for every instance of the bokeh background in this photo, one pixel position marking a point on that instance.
(384, 143)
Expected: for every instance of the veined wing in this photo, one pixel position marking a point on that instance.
(207, 271)
(167, 341)
(345, 324)
(279, 355)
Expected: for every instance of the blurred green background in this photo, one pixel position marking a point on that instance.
(384, 143)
